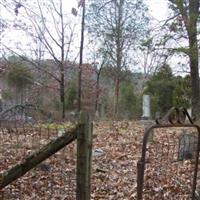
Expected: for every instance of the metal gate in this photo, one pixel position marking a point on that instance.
(168, 168)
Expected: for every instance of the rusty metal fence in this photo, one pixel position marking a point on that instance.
(57, 177)
(168, 168)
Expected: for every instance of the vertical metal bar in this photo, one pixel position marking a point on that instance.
(141, 163)
(140, 179)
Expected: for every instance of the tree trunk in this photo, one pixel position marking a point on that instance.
(97, 93)
(62, 93)
(191, 25)
(116, 104)
(190, 15)
(62, 65)
(194, 72)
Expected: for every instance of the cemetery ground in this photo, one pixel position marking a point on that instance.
(116, 151)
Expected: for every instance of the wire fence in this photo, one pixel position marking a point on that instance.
(54, 178)
(170, 164)
(168, 168)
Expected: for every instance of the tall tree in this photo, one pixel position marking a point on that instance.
(99, 61)
(186, 16)
(152, 55)
(118, 25)
(50, 32)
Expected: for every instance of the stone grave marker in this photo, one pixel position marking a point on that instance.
(146, 107)
(187, 146)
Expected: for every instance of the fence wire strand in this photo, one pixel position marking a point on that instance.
(55, 178)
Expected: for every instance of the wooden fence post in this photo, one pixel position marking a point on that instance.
(84, 158)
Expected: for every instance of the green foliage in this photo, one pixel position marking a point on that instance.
(182, 92)
(71, 96)
(19, 75)
(161, 87)
(164, 73)
(154, 104)
(167, 90)
(147, 43)
(138, 108)
(127, 101)
(162, 92)
(7, 94)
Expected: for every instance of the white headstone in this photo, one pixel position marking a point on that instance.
(146, 107)
(189, 110)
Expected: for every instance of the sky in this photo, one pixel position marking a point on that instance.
(157, 9)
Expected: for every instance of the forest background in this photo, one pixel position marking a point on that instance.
(101, 57)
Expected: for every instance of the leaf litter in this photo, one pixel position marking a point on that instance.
(114, 166)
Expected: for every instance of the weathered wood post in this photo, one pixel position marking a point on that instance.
(84, 157)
